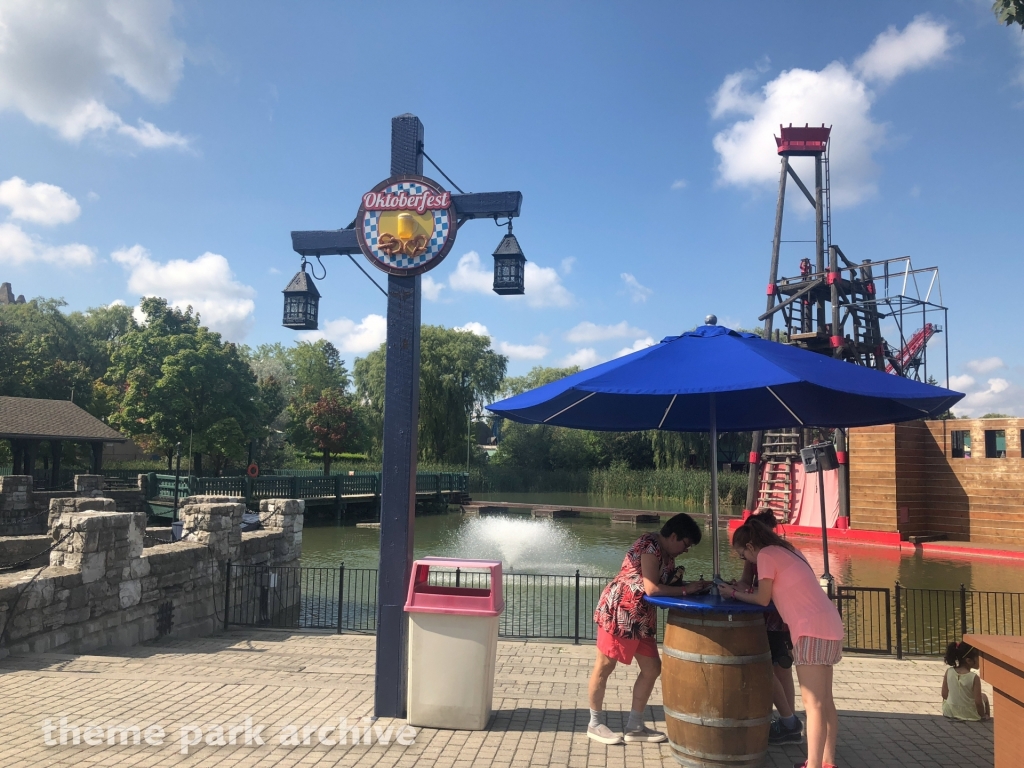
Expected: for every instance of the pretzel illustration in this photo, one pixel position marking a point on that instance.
(416, 246)
(389, 244)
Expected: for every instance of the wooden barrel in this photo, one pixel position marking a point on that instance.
(716, 682)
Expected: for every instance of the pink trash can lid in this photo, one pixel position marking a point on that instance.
(478, 594)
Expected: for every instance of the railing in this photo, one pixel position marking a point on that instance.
(298, 486)
(554, 607)
(927, 620)
(867, 618)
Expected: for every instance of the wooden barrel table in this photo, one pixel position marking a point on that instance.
(716, 682)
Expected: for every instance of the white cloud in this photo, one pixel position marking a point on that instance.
(206, 283)
(469, 276)
(38, 203)
(637, 292)
(637, 346)
(18, 247)
(351, 337)
(961, 383)
(431, 288)
(513, 351)
(474, 327)
(61, 62)
(584, 358)
(523, 351)
(998, 396)
(589, 332)
(679, 184)
(993, 395)
(986, 365)
(543, 285)
(836, 96)
(567, 264)
(893, 53)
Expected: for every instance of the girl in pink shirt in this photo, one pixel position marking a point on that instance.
(783, 574)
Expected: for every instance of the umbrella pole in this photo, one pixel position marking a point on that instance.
(714, 491)
(824, 523)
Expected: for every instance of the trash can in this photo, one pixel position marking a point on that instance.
(453, 642)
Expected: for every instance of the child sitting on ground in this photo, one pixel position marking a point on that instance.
(962, 698)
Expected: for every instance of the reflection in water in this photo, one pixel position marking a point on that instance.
(596, 546)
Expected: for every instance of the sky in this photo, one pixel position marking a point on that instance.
(169, 148)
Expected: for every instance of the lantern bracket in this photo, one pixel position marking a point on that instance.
(504, 223)
(312, 269)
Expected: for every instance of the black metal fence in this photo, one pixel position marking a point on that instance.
(927, 620)
(918, 622)
(867, 618)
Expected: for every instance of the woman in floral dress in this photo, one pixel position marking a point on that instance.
(627, 624)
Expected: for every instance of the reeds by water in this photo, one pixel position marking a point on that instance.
(687, 485)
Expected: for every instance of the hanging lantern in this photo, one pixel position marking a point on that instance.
(301, 302)
(509, 266)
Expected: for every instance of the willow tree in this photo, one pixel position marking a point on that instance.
(459, 372)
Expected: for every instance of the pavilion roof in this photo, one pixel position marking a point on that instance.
(28, 418)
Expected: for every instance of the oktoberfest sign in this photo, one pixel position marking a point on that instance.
(406, 225)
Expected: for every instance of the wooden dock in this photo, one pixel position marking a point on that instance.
(555, 512)
(635, 517)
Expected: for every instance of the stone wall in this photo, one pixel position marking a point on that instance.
(23, 511)
(103, 588)
(19, 549)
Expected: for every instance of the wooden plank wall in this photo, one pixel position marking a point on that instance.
(903, 477)
(873, 478)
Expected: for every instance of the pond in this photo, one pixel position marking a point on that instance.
(596, 546)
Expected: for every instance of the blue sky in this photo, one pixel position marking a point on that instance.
(170, 148)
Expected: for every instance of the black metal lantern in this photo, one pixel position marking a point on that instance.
(509, 266)
(301, 302)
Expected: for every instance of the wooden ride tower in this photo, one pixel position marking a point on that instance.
(830, 307)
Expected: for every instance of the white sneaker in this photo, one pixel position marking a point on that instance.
(603, 734)
(645, 734)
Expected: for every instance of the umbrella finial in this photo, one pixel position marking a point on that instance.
(710, 320)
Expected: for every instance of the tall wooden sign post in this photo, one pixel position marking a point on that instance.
(405, 226)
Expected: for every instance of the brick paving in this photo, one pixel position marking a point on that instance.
(889, 710)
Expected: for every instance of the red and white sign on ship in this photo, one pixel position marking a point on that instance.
(406, 225)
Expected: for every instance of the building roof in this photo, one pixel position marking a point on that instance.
(26, 418)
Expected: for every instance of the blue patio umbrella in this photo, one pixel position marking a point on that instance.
(714, 379)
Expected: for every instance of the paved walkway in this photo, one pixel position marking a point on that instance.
(889, 710)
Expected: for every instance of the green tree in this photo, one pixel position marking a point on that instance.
(327, 424)
(182, 383)
(1009, 11)
(46, 353)
(459, 372)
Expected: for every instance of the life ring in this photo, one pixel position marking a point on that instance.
(252, 470)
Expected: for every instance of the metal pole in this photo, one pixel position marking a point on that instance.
(819, 238)
(577, 640)
(398, 476)
(963, 611)
(714, 489)
(469, 437)
(227, 594)
(341, 595)
(824, 530)
(899, 624)
(177, 476)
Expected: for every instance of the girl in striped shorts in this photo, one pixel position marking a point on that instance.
(785, 576)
